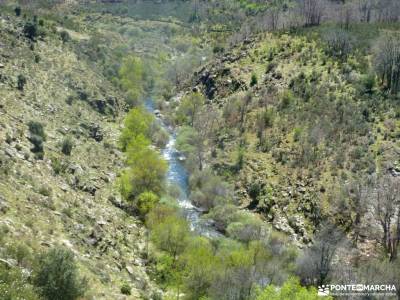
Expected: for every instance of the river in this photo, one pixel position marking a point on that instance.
(179, 177)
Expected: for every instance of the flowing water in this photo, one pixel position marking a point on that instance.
(179, 177)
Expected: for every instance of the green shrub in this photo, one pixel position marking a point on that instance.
(146, 201)
(254, 80)
(37, 137)
(36, 128)
(367, 83)
(290, 290)
(66, 145)
(57, 276)
(270, 67)
(58, 166)
(126, 289)
(21, 81)
(65, 37)
(20, 252)
(37, 142)
(218, 49)
(17, 11)
(45, 191)
(30, 30)
(14, 285)
(286, 99)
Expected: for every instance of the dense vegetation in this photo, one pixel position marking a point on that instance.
(288, 122)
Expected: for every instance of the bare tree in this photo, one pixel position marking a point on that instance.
(346, 15)
(358, 193)
(311, 10)
(315, 265)
(385, 201)
(365, 9)
(387, 11)
(387, 62)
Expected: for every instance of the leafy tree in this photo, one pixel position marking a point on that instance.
(234, 279)
(137, 122)
(209, 190)
(171, 235)
(290, 290)
(189, 108)
(131, 76)
(57, 276)
(146, 171)
(191, 144)
(199, 264)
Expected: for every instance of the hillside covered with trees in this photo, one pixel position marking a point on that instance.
(234, 149)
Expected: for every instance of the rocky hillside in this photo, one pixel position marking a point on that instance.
(297, 124)
(59, 188)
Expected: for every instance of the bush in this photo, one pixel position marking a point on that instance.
(253, 80)
(37, 148)
(57, 276)
(126, 289)
(247, 229)
(36, 128)
(367, 83)
(17, 11)
(222, 216)
(30, 30)
(290, 290)
(286, 99)
(65, 37)
(146, 201)
(67, 145)
(218, 49)
(37, 137)
(21, 81)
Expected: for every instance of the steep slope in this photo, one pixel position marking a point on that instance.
(63, 199)
(296, 125)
